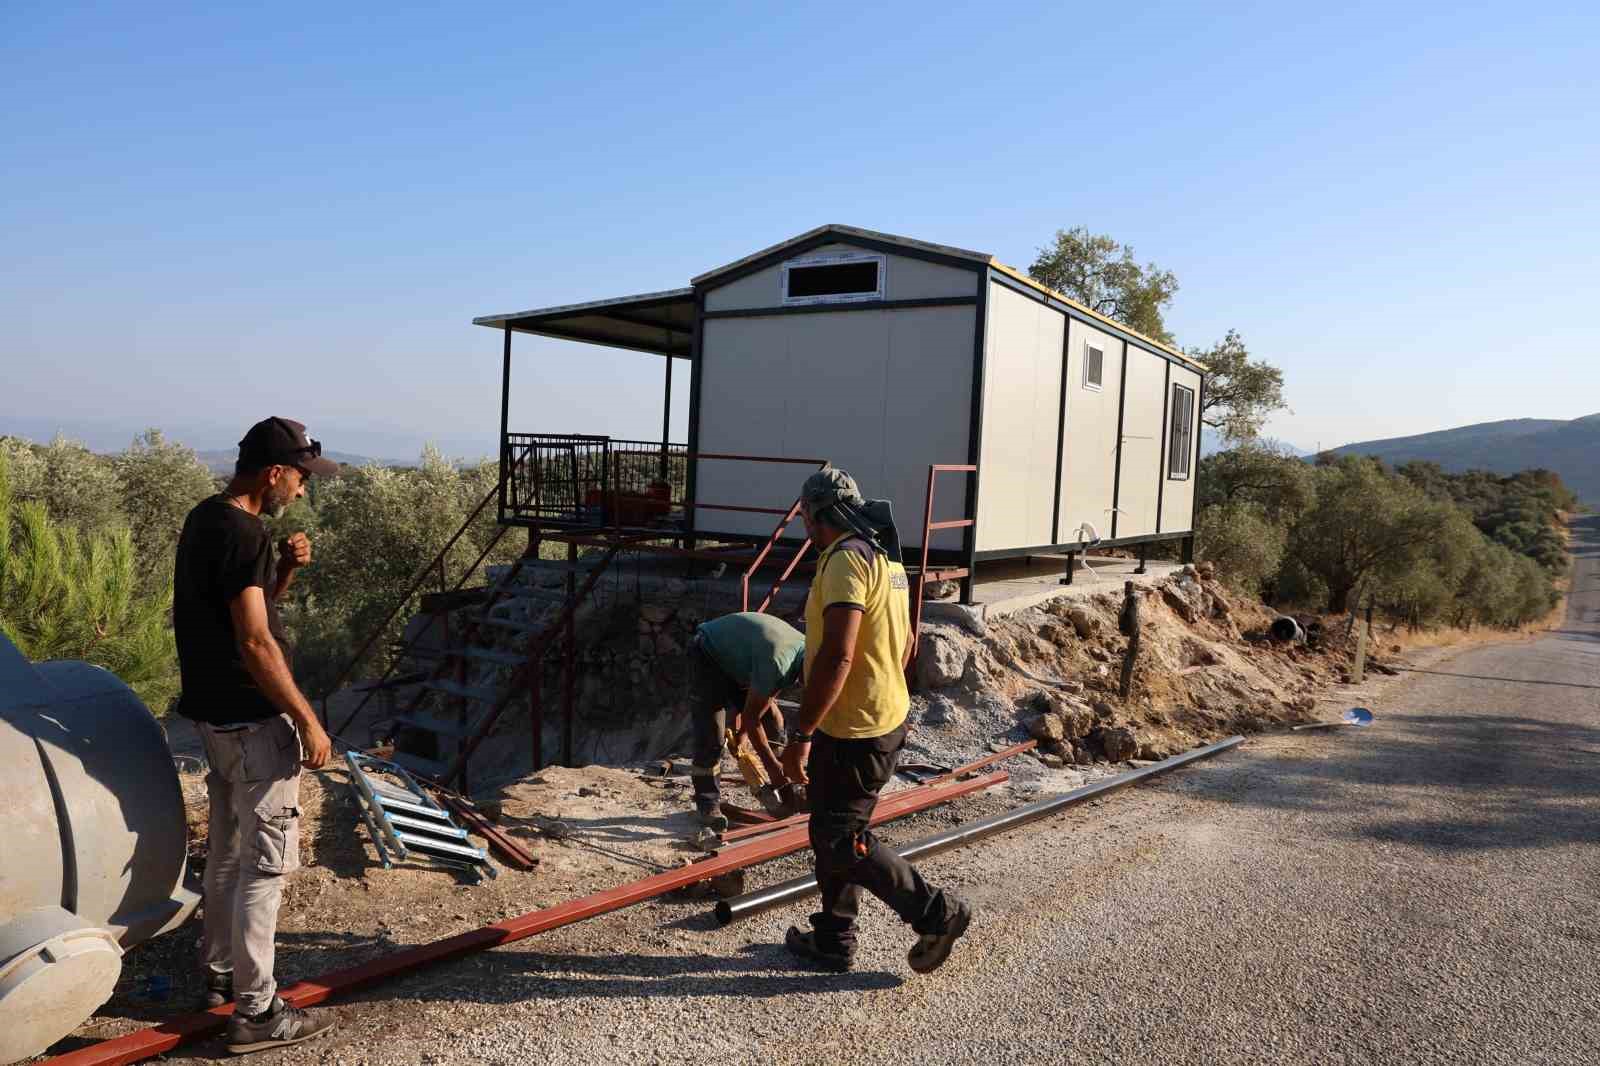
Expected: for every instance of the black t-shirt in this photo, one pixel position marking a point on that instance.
(222, 552)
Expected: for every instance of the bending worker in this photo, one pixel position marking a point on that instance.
(847, 736)
(739, 662)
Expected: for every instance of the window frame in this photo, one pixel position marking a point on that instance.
(1186, 409)
(1094, 386)
(835, 259)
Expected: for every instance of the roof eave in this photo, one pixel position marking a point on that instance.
(1017, 275)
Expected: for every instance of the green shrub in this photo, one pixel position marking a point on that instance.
(1246, 547)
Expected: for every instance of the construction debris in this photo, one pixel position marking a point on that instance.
(403, 822)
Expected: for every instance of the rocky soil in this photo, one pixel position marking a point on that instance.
(1207, 668)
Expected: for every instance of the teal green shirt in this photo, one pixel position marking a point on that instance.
(758, 651)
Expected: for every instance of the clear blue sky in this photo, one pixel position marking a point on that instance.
(217, 212)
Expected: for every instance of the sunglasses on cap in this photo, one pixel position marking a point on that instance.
(310, 451)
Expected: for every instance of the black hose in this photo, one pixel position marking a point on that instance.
(763, 899)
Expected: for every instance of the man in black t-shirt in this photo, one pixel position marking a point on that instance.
(257, 727)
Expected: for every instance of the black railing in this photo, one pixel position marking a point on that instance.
(584, 480)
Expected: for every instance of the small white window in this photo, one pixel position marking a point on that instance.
(1094, 367)
(1180, 438)
(842, 277)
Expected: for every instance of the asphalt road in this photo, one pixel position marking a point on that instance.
(1423, 891)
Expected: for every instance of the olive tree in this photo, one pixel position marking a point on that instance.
(159, 481)
(1241, 392)
(1366, 527)
(1103, 275)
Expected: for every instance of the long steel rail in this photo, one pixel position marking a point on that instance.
(765, 899)
(156, 1040)
(760, 900)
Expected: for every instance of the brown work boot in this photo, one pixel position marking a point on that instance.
(708, 809)
(931, 949)
(804, 945)
(280, 1026)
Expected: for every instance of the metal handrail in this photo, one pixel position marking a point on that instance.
(928, 526)
(755, 564)
(411, 590)
(536, 649)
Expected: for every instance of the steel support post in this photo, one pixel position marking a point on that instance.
(568, 655)
(1072, 564)
(536, 677)
(505, 418)
(666, 420)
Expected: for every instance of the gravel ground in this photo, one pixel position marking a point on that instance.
(1423, 891)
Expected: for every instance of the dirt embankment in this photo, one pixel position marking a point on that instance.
(1207, 668)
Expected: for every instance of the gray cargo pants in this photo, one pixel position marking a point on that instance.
(254, 787)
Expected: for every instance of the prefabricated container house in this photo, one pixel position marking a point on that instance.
(885, 355)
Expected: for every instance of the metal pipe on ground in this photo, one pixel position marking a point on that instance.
(746, 831)
(729, 911)
(156, 1040)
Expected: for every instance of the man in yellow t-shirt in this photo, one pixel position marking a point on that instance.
(850, 728)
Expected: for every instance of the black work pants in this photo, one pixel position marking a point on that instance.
(712, 694)
(846, 776)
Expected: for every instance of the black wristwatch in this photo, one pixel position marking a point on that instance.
(797, 737)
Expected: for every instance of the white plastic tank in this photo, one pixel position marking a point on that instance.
(93, 852)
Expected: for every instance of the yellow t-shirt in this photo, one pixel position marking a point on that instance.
(874, 700)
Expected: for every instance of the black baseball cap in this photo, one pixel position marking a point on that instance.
(283, 442)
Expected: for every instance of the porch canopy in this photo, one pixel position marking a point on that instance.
(661, 323)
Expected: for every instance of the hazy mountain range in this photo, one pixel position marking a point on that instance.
(1571, 449)
(217, 444)
(222, 460)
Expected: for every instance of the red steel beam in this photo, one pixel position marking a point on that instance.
(757, 458)
(761, 556)
(735, 507)
(510, 850)
(159, 1039)
(987, 760)
(889, 801)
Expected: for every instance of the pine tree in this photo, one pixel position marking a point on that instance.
(66, 594)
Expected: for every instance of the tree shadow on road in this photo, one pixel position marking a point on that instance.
(1472, 782)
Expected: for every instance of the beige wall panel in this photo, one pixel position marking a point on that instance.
(1021, 412)
(1177, 501)
(1088, 464)
(1141, 443)
(764, 288)
(917, 279)
(744, 409)
(906, 279)
(928, 416)
(880, 393)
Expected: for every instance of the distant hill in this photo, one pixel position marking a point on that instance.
(1211, 442)
(1571, 449)
(221, 461)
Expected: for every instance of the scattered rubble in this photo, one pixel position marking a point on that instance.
(1049, 672)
